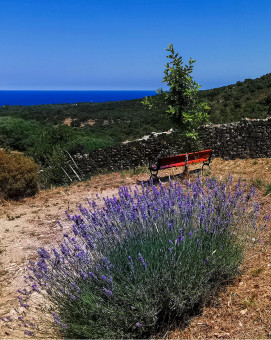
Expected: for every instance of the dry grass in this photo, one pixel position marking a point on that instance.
(248, 169)
(241, 311)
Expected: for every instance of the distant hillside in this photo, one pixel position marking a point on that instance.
(92, 126)
(51, 133)
(250, 98)
(114, 121)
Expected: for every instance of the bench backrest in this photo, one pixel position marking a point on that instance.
(199, 155)
(171, 160)
(182, 158)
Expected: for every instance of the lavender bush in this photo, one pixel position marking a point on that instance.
(139, 260)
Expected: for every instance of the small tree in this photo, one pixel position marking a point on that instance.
(181, 99)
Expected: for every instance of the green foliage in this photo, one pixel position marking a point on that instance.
(53, 150)
(250, 98)
(181, 99)
(17, 133)
(172, 286)
(18, 176)
(90, 144)
(114, 122)
(56, 169)
(51, 138)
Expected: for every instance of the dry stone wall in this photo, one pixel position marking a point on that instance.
(249, 138)
(245, 139)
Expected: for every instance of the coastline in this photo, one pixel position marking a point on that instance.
(49, 97)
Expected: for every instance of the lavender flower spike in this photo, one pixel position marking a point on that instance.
(141, 259)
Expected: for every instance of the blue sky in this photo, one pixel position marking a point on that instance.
(119, 44)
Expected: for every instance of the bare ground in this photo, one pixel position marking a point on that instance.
(241, 311)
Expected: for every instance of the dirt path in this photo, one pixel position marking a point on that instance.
(31, 223)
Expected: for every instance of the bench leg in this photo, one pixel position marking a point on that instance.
(154, 175)
(205, 164)
(185, 171)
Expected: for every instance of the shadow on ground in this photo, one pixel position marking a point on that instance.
(182, 176)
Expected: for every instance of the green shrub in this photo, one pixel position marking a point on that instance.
(17, 133)
(59, 169)
(89, 143)
(18, 175)
(50, 138)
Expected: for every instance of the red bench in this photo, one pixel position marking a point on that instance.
(181, 160)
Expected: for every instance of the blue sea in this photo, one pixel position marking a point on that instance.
(61, 97)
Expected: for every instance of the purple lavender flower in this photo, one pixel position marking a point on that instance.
(181, 237)
(146, 210)
(141, 259)
(108, 292)
(61, 226)
(26, 332)
(83, 274)
(91, 274)
(43, 253)
(75, 230)
(35, 288)
(170, 225)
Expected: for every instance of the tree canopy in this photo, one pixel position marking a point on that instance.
(181, 100)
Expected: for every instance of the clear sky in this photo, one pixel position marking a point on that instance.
(119, 44)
